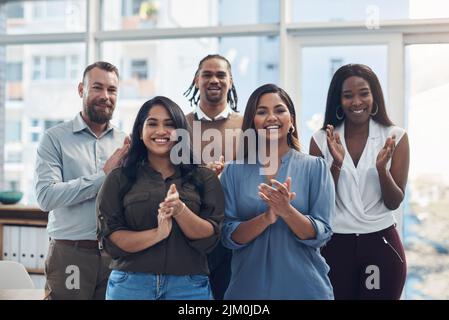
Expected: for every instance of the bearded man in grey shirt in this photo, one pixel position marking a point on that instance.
(73, 159)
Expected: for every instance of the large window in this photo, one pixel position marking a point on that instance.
(427, 221)
(55, 67)
(143, 14)
(372, 12)
(49, 16)
(33, 105)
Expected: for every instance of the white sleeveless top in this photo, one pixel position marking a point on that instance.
(359, 204)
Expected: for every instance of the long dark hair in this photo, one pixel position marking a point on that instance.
(334, 94)
(193, 91)
(251, 108)
(138, 153)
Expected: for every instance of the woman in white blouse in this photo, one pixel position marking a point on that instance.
(369, 159)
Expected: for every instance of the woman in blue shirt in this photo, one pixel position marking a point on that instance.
(276, 222)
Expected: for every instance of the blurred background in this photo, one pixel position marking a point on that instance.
(298, 44)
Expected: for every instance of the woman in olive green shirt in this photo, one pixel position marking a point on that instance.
(157, 219)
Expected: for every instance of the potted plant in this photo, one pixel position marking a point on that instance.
(149, 10)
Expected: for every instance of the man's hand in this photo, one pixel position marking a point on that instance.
(117, 157)
(216, 166)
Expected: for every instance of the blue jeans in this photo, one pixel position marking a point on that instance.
(126, 285)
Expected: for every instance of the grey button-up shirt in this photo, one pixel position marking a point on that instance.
(69, 174)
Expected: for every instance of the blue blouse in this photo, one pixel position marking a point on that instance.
(277, 264)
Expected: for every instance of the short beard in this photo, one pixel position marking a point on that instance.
(97, 117)
(214, 100)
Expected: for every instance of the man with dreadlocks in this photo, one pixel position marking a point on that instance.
(213, 93)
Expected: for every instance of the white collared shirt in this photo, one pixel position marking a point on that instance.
(203, 117)
(359, 204)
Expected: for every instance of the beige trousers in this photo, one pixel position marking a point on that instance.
(74, 273)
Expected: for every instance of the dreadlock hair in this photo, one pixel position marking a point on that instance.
(193, 91)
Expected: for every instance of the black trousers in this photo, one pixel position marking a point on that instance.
(366, 266)
(220, 270)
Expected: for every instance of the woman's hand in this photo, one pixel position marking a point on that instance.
(169, 209)
(277, 197)
(386, 153)
(270, 216)
(164, 220)
(335, 146)
(172, 204)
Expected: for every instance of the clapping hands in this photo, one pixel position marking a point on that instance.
(335, 146)
(169, 208)
(277, 197)
(386, 153)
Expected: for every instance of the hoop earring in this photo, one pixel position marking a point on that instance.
(337, 115)
(377, 110)
(292, 129)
